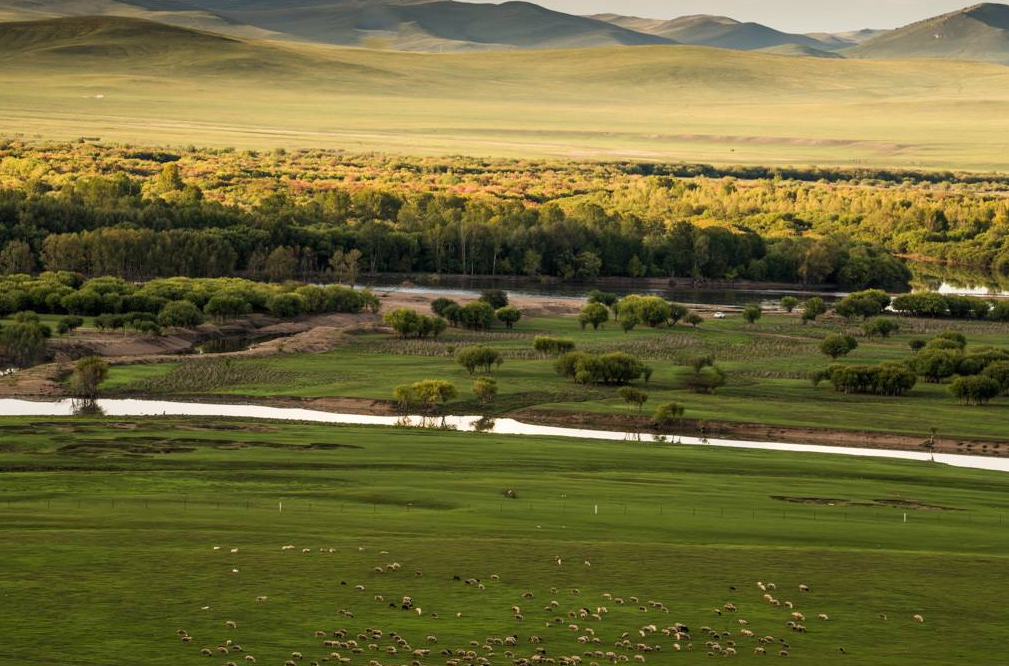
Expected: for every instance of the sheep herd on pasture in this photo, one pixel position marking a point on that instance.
(546, 633)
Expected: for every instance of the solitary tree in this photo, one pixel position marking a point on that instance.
(668, 414)
(485, 389)
(429, 394)
(67, 325)
(838, 345)
(694, 319)
(89, 373)
(789, 303)
(508, 316)
(975, 390)
(594, 315)
(752, 313)
(633, 396)
(346, 265)
(496, 298)
(472, 358)
(814, 308)
(883, 327)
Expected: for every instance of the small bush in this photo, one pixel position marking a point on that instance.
(669, 414)
(473, 358)
(553, 346)
(975, 390)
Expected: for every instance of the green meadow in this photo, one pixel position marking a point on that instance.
(131, 81)
(109, 527)
(768, 367)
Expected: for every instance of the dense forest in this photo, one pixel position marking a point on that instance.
(99, 209)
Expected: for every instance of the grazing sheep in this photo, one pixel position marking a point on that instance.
(823, 616)
(783, 653)
(803, 588)
(261, 599)
(759, 650)
(206, 652)
(918, 618)
(772, 586)
(882, 616)
(234, 550)
(798, 617)
(296, 655)
(231, 624)
(249, 658)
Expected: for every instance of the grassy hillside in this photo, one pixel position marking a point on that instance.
(431, 25)
(164, 11)
(134, 522)
(980, 32)
(718, 31)
(798, 50)
(130, 80)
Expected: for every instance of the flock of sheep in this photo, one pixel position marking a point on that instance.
(567, 633)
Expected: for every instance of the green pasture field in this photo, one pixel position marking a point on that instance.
(108, 529)
(768, 366)
(139, 83)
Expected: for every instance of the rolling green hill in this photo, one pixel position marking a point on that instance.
(427, 25)
(171, 12)
(980, 32)
(801, 51)
(719, 31)
(133, 80)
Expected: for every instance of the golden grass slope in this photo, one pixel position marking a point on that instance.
(139, 81)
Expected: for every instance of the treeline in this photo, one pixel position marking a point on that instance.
(210, 212)
(928, 304)
(180, 302)
(103, 226)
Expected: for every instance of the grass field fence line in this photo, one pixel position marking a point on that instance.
(513, 508)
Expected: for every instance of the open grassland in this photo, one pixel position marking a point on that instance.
(768, 368)
(108, 531)
(135, 81)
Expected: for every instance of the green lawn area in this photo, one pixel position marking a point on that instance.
(768, 367)
(108, 529)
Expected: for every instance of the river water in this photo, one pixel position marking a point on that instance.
(132, 408)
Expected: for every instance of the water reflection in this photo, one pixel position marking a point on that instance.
(471, 288)
(86, 407)
(957, 280)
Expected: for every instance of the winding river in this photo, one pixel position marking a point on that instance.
(128, 408)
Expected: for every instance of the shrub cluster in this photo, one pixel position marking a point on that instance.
(409, 324)
(890, 379)
(615, 368)
(175, 301)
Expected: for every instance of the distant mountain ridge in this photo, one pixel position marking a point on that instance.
(427, 25)
(717, 31)
(979, 32)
